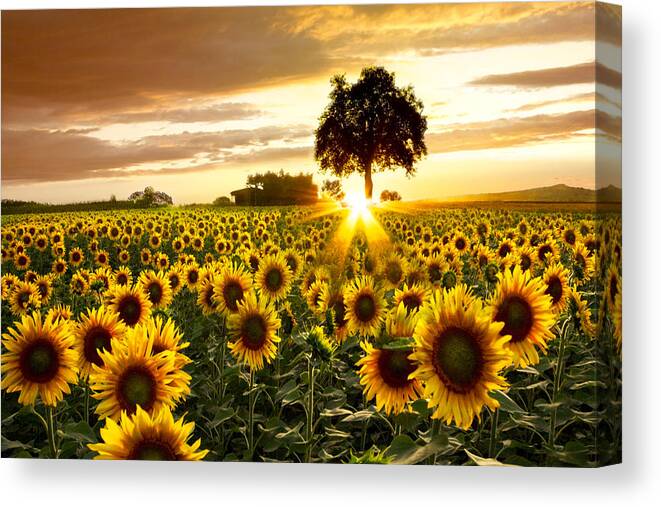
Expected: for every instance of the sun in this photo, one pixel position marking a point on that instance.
(358, 203)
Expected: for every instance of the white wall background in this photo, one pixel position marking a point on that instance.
(637, 482)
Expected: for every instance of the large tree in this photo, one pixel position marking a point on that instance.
(370, 126)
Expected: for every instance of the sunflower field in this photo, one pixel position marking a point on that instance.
(396, 334)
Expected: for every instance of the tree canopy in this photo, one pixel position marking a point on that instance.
(282, 188)
(370, 126)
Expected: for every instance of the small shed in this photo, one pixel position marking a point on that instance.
(248, 196)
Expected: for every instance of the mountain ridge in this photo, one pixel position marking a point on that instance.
(553, 193)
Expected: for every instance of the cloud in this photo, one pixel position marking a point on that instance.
(42, 155)
(573, 99)
(508, 132)
(81, 64)
(555, 76)
(213, 113)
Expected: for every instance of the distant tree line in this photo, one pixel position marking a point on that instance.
(280, 188)
(388, 195)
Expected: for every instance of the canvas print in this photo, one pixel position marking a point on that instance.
(358, 234)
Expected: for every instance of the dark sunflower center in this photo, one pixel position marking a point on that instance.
(395, 367)
(339, 313)
(22, 261)
(39, 361)
(613, 288)
(152, 450)
(232, 294)
(526, 262)
(274, 279)
(554, 289)
(570, 237)
(155, 292)
(137, 386)
(460, 244)
(96, 339)
(412, 302)
(253, 332)
(365, 308)
(129, 309)
(193, 276)
(122, 279)
(435, 273)
(517, 315)
(23, 299)
(504, 250)
(369, 265)
(75, 257)
(457, 359)
(544, 251)
(394, 272)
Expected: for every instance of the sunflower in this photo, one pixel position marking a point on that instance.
(166, 336)
(59, 266)
(9, 281)
(132, 375)
(313, 295)
(581, 314)
(192, 275)
(96, 331)
(612, 285)
(385, 373)
(130, 303)
(156, 287)
(142, 436)
(332, 300)
(616, 315)
(22, 261)
(79, 284)
(273, 278)
(123, 276)
(556, 278)
(39, 359)
(521, 304)
(24, 298)
(413, 297)
(205, 299)
(365, 307)
(230, 287)
(59, 311)
(393, 270)
(254, 331)
(76, 256)
(460, 354)
(583, 262)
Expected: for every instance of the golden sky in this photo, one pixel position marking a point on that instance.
(191, 101)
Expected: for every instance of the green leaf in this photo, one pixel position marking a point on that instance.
(405, 451)
(80, 432)
(361, 415)
(485, 462)
(507, 404)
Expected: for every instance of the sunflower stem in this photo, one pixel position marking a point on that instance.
(251, 413)
(310, 411)
(494, 431)
(50, 419)
(557, 381)
(87, 402)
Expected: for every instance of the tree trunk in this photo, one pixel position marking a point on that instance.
(368, 182)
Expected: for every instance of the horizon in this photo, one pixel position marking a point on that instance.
(112, 115)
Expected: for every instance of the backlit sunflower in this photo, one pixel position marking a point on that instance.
(385, 373)
(254, 331)
(332, 300)
(97, 330)
(581, 314)
(365, 305)
(167, 336)
(521, 304)
(132, 375)
(230, 287)
(556, 279)
(130, 303)
(273, 278)
(393, 270)
(192, 275)
(156, 287)
(205, 299)
(39, 359)
(59, 311)
(413, 297)
(24, 298)
(460, 354)
(123, 276)
(583, 262)
(142, 436)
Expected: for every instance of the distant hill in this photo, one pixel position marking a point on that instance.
(554, 193)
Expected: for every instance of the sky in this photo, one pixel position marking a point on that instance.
(192, 100)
